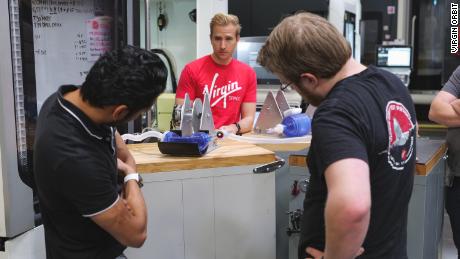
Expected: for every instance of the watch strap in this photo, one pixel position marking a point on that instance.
(238, 128)
(134, 176)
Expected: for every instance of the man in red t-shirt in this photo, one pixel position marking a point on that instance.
(231, 84)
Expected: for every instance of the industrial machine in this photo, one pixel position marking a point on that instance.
(192, 129)
(277, 117)
(272, 112)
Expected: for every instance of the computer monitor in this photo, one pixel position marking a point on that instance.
(394, 56)
(247, 51)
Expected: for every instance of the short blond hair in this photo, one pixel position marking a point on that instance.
(221, 19)
(304, 43)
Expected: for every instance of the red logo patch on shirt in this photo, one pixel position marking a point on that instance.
(400, 135)
(95, 25)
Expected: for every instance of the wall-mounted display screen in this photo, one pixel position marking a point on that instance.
(394, 56)
(247, 51)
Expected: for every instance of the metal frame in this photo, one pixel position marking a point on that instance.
(16, 209)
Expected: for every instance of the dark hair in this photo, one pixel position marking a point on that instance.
(131, 76)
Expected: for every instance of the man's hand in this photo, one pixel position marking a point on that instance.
(123, 152)
(124, 168)
(317, 254)
(230, 128)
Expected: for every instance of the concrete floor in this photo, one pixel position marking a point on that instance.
(448, 248)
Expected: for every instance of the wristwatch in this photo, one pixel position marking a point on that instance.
(136, 177)
(238, 127)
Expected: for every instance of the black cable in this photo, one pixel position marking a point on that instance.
(173, 75)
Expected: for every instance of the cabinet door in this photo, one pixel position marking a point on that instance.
(245, 216)
(199, 218)
(165, 222)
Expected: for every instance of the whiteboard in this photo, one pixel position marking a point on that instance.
(68, 38)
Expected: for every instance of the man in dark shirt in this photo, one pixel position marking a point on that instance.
(362, 153)
(79, 155)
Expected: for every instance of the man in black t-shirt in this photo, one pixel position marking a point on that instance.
(362, 153)
(79, 156)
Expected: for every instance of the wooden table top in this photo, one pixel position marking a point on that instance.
(293, 146)
(428, 154)
(229, 153)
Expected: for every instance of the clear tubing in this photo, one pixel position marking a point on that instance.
(257, 140)
(141, 137)
(252, 140)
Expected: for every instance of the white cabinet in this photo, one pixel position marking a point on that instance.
(198, 204)
(165, 221)
(209, 213)
(244, 218)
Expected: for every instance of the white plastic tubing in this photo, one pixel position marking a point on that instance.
(252, 140)
(141, 137)
(257, 140)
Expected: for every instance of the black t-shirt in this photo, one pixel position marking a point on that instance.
(76, 175)
(368, 116)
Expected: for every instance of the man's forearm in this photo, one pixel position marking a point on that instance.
(135, 201)
(123, 152)
(456, 106)
(444, 110)
(344, 233)
(129, 159)
(248, 112)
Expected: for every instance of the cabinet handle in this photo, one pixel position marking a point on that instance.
(270, 167)
(412, 37)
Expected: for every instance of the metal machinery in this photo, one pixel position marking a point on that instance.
(187, 122)
(193, 118)
(272, 111)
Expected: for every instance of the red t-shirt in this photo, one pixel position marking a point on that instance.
(228, 86)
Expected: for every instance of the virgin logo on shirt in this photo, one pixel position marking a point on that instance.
(219, 94)
(401, 135)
